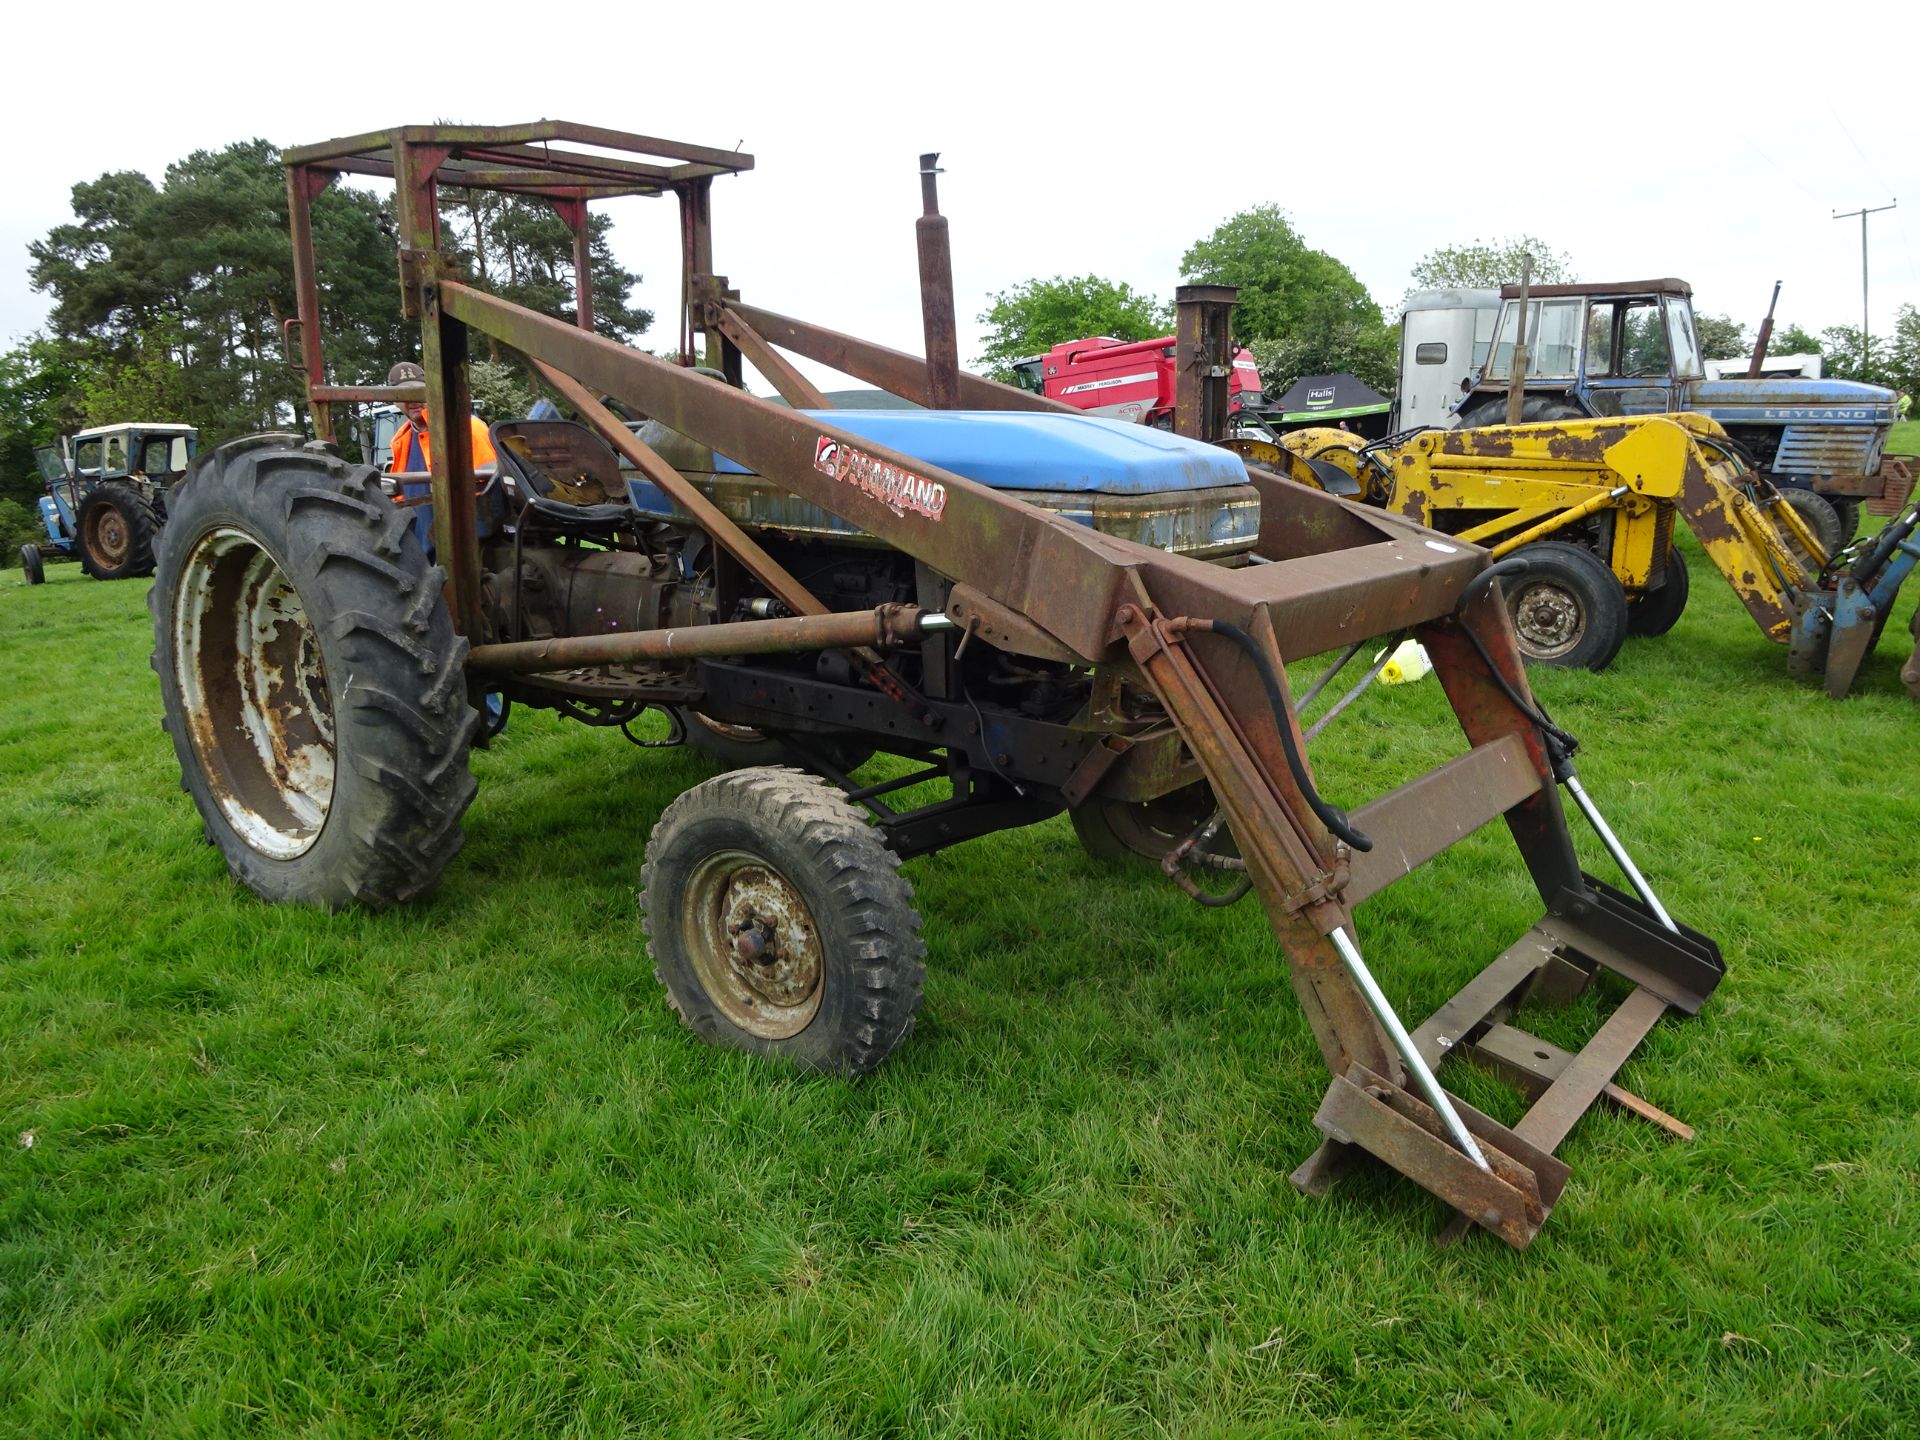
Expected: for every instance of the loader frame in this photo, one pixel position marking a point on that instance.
(1210, 642)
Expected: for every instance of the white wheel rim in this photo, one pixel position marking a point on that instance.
(771, 988)
(254, 693)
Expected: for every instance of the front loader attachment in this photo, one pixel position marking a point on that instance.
(1310, 865)
(1828, 610)
(1837, 627)
(1207, 642)
(1507, 486)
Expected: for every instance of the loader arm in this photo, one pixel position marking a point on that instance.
(1533, 480)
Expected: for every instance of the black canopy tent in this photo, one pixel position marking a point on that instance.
(1316, 398)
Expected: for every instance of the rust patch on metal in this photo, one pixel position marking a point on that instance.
(1589, 447)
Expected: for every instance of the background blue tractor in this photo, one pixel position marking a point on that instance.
(107, 497)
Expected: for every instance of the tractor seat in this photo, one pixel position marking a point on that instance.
(563, 473)
(1333, 479)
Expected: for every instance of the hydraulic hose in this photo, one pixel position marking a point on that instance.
(1332, 816)
(1867, 568)
(1560, 745)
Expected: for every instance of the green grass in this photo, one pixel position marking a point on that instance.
(1905, 438)
(457, 1169)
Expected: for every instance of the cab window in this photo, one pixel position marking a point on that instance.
(155, 458)
(1686, 348)
(1553, 330)
(1600, 339)
(1643, 341)
(86, 456)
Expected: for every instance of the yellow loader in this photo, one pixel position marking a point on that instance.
(1591, 506)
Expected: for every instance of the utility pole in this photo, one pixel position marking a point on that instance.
(1863, 214)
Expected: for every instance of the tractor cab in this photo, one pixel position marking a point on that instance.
(106, 494)
(158, 454)
(1605, 350)
(1613, 350)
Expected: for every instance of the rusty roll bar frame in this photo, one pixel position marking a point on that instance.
(1334, 573)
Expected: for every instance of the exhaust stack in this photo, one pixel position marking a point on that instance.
(936, 293)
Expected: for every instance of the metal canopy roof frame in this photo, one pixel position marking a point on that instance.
(543, 159)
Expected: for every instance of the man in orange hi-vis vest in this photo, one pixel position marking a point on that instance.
(412, 451)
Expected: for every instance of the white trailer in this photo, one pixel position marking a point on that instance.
(1444, 336)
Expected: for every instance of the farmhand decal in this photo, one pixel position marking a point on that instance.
(899, 490)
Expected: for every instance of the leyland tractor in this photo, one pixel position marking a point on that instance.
(107, 497)
(1020, 609)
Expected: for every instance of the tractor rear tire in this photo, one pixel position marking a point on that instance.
(1658, 611)
(780, 924)
(114, 532)
(1534, 410)
(31, 566)
(311, 677)
(1569, 611)
(739, 747)
(1820, 517)
(1141, 833)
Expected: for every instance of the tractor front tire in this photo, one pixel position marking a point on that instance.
(1658, 611)
(1847, 509)
(311, 677)
(114, 531)
(1568, 610)
(1819, 516)
(31, 565)
(780, 924)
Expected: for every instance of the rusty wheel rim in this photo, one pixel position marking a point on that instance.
(745, 734)
(754, 944)
(108, 537)
(1548, 619)
(254, 692)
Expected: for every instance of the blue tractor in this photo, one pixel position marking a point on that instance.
(107, 497)
(1631, 349)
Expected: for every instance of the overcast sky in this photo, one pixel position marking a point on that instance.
(1708, 142)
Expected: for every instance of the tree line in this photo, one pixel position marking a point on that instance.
(1303, 312)
(168, 302)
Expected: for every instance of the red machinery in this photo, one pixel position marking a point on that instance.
(1129, 380)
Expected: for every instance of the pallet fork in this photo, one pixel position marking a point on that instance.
(1310, 872)
(1210, 642)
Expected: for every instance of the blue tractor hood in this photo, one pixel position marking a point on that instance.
(1792, 400)
(1124, 480)
(1038, 450)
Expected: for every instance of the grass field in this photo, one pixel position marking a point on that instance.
(458, 1170)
